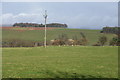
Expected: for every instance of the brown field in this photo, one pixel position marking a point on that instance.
(27, 28)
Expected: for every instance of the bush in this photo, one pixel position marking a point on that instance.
(20, 43)
(83, 40)
(102, 40)
(115, 41)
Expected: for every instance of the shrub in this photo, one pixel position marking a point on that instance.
(115, 41)
(83, 40)
(20, 43)
(102, 40)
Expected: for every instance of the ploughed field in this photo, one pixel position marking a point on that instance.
(28, 28)
(60, 62)
(37, 34)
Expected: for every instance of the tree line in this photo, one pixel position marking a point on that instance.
(113, 30)
(39, 25)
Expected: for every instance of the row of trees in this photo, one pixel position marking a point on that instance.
(39, 25)
(114, 30)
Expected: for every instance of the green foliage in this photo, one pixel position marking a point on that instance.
(39, 25)
(115, 30)
(57, 25)
(60, 62)
(115, 41)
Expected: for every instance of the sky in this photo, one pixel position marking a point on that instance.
(84, 15)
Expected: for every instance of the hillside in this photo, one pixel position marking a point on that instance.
(38, 35)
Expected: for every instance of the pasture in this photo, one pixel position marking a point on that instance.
(60, 62)
(38, 35)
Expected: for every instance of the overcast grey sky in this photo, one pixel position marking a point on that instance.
(85, 15)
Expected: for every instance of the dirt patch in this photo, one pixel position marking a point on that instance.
(28, 28)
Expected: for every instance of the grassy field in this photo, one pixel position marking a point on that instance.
(60, 62)
(38, 35)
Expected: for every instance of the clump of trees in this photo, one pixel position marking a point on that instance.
(39, 25)
(57, 25)
(115, 41)
(113, 30)
(27, 25)
(101, 41)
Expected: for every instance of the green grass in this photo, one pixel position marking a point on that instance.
(62, 62)
(38, 35)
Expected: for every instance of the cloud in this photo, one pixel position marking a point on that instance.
(9, 18)
(86, 21)
(76, 15)
(77, 21)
